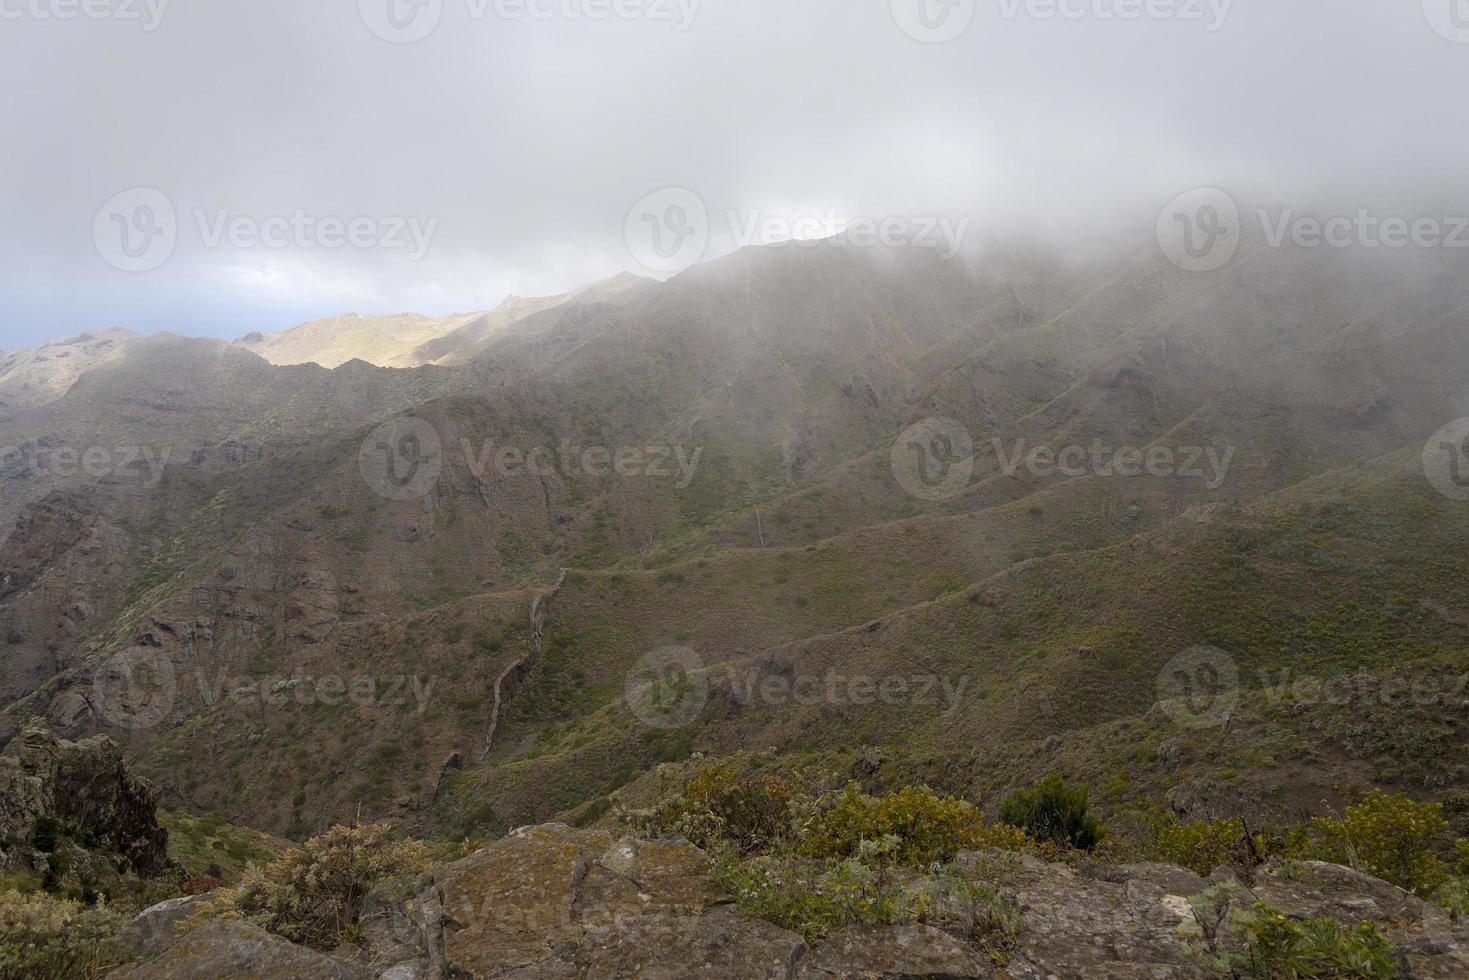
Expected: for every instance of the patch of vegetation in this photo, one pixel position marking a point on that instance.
(45, 937)
(314, 894)
(926, 826)
(1239, 938)
(1204, 845)
(1391, 837)
(816, 898)
(209, 848)
(1054, 811)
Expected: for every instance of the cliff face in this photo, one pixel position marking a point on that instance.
(84, 790)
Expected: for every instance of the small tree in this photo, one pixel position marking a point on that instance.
(1054, 811)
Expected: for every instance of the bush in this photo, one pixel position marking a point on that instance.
(928, 827)
(751, 812)
(1054, 811)
(1390, 837)
(1282, 948)
(44, 937)
(814, 902)
(721, 809)
(814, 899)
(313, 895)
(1203, 845)
(1241, 938)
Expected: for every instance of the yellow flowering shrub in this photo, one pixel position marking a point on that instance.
(45, 937)
(928, 827)
(1394, 838)
(314, 894)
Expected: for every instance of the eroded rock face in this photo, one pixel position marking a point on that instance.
(557, 902)
(86, 787)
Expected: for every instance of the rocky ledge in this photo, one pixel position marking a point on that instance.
(556, 902)
(82, 789)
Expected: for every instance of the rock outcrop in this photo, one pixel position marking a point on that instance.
(556, 902)
(82, 789)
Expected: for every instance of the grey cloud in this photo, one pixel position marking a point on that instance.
(527, 139)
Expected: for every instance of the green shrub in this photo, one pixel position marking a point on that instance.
(816, 898)
(44, 937)
(1241, 938)
(814, 902)
(1284, 949)
(928, 827)
(1390, 837)
(1203, 845)
(1054, 811)
(313, 894)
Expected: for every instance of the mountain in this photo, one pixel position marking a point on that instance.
(30, 378)
(409, 340)
(718, 474)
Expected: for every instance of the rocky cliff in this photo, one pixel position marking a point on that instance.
(51, 788)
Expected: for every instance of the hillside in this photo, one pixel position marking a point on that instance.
(760, 523)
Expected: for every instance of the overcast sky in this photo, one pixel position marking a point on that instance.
(516, 145)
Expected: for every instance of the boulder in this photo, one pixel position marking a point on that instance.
(155, 930)
(1315, 889)
(229, 948)
(1079, 926)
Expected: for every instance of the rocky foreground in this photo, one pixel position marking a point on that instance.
(553, 901)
